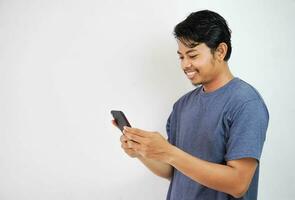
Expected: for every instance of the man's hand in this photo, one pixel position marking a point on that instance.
(150, 145)
(124, 144)
(157, 167)
(127, 148)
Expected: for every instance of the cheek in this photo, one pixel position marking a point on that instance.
(182, 64)
(200, 64)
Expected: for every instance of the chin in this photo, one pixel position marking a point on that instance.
(196, 82)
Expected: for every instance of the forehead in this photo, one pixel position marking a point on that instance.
(182, 49)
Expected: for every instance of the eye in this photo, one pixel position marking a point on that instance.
(180, 58)
(193, 56)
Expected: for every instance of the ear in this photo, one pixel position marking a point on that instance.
(221, 51)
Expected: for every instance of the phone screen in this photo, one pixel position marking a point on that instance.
(120, 119)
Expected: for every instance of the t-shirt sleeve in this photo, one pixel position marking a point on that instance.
(247, 131)
(171, 126)
(168, 129)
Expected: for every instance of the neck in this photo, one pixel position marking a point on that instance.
(219, 81)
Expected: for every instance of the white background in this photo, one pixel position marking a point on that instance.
(65, 64)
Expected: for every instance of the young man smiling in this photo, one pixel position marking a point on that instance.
(216, 131)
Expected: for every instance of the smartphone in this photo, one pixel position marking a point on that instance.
(120, 119)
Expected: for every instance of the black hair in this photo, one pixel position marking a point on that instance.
(204, 26)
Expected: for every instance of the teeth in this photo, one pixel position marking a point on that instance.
(190, 74)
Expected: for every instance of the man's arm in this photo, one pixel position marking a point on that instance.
(233, 178)
(161, 169)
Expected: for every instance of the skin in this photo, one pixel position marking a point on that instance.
(153, 150)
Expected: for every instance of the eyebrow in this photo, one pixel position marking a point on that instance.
(191, 50)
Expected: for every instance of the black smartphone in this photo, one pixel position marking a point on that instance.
(120, 119)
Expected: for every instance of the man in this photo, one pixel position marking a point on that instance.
(216, 131)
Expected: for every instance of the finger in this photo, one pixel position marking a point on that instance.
(130, 152)
(135, 138)
(114, 123)
(123, 138)
(124, 146)
(136, 131)
(133, 145)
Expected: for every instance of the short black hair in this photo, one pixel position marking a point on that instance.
(207, 27)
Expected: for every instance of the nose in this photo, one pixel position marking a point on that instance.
(186, 63)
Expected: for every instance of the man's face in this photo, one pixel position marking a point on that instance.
(198, 63)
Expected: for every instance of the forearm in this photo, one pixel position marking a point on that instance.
(233, 178)
(157, 167)
(216, 176)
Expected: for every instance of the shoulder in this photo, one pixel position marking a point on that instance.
(243, 92)
(245, 96)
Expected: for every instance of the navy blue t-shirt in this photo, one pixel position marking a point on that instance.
(227, 124)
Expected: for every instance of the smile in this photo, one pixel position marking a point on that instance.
(190, 74)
